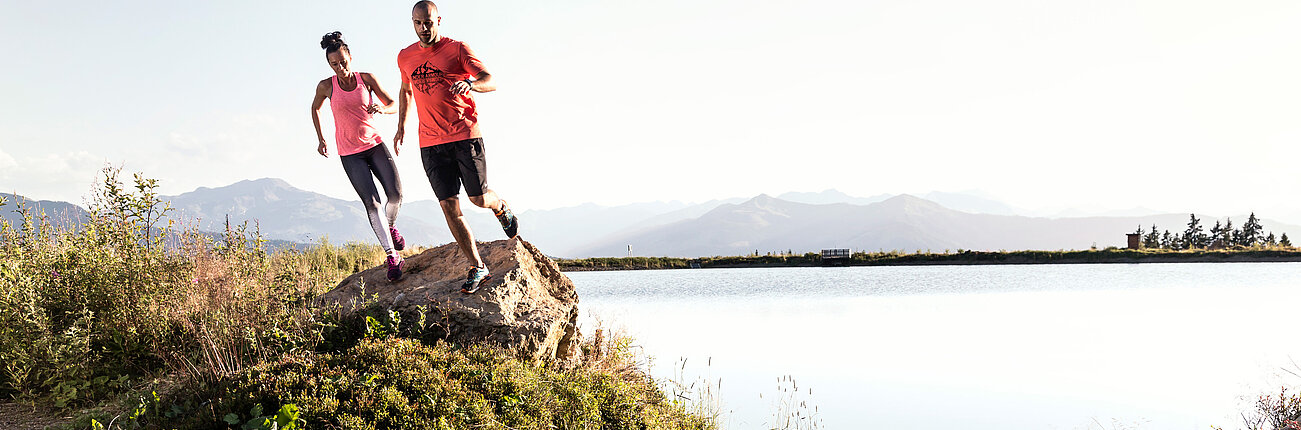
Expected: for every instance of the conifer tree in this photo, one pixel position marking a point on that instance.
(1227, 234)
(1153, 239)
(1271, 240)
(1215, 233)
(1166, 240)
(1193, 236)
(1251, 231)
(1284, 241)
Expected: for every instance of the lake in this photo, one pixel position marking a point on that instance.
(1099, 346)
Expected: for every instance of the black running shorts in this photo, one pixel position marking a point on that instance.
(454, 163)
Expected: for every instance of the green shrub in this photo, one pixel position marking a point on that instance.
(111, 312)
(402, 383)
(84, 311)
(78, 309)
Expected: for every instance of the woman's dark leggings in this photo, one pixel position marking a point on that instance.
(379, 162)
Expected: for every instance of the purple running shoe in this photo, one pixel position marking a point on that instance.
(394, 267)
(398, 242)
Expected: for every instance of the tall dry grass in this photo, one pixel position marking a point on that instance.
(169, 326)
(128, 294)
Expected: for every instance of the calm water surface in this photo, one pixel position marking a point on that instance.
(1148, 346)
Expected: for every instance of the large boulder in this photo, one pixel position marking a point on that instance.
(528, 304)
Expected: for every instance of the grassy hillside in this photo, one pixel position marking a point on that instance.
(112, 323)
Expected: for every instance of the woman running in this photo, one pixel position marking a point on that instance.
(361, 150)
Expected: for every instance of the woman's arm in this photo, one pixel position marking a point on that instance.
(322, 92)
(390, 105)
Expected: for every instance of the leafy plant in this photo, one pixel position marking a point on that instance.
(111, 312)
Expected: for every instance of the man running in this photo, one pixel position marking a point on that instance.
(439, 73)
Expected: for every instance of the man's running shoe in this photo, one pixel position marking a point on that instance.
(398, 242)
(477, 277)
(394, 267)
(509, 223)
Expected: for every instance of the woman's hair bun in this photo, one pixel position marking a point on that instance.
(332, 41)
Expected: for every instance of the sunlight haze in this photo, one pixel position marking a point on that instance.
(1176, 106)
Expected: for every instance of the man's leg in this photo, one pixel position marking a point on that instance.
(460, 230)
(473, 164)
(445, 177)
(488, 200)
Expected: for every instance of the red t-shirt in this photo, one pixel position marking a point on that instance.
(444, 117)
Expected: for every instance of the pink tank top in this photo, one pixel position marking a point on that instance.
(353, 130)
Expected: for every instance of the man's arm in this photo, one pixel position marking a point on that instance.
(404, 100)
(482, 84)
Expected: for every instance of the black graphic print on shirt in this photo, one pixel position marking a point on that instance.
(426, 77)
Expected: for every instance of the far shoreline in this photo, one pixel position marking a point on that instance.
(961, 258)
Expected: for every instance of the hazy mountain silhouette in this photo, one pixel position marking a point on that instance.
(689, 212)
(281, 211)
(59, 214)
(68, 215)
(284, 212)
(559, 231)
(718, 227)
(966, 201)
(1098, 211)
(904, 222)
(972, 202)
(429, 215)
(829, 196)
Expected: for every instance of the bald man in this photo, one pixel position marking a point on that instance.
(439, 74)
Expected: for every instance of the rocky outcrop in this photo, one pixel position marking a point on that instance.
(528, 304)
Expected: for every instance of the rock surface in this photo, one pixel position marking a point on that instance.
(528, 304)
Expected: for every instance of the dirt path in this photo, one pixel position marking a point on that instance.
(18, 416)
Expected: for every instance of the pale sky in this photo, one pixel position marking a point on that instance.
(1178, 106)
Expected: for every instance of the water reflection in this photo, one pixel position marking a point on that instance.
(1034, 346)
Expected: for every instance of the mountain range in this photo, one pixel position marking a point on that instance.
(798, 222)
(904, 222)
(57, 213)
(64, 215)
(281, 211)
